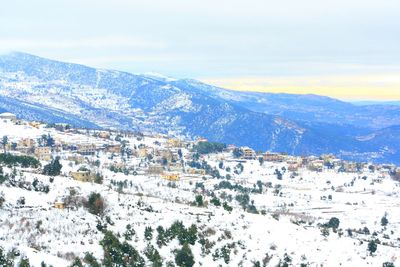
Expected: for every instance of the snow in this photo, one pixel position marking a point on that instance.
(290, 223)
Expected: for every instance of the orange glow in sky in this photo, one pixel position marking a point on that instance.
(350, 87)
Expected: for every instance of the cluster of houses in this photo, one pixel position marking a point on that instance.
(163, 158)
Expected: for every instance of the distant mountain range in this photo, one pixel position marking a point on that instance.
(36, 88)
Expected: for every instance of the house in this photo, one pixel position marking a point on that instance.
(43, 153)
(143, 152)
(170, 176)
(248, 153)
(115, 148)
(82, 176)
(104, 135)
(86, 149)
(196, 171)
(273, 157)
(59, 204)
(316, 165)
(8, 116)
(173, 142)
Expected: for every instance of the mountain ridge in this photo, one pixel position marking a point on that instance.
(296, 124)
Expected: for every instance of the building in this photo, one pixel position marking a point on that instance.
(170, 176)
(43, 153)
(116, 148)
(248, 153)
(104, 135)
(196, 171)
(59, 204)
(86, 149)
(273, 157)
(82, 176)
(8, 116)
(173, 142)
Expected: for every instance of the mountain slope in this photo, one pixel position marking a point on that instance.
(48, 90)
(308, 108)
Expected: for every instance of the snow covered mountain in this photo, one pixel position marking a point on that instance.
(43, 89)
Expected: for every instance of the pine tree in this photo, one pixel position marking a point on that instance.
(184, 256)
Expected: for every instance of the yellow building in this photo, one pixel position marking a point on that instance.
(196, 171)
(170, 176)
(82, 176)
(59, 205)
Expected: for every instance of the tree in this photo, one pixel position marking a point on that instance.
(334, 223)
(90, 260)
(4, 142)
(384, 220)
(237, 153)
(199, 201)
(278, 174)
(215, 201)
(24, 262)
(95, 204)
(153, 255)
(77, 263)
(372, 246)
(148, 233)
(184, 256)
(53, 168)
(261, 160)
(4, 259)
(227, 207)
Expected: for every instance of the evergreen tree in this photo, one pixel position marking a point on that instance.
(372, 246)
(184, 256)
(148, 233)
(53, 168)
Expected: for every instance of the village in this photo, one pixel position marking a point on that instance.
(147, 180)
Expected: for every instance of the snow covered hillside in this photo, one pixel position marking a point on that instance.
(118, 198)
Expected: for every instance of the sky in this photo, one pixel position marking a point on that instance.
(348, 49)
